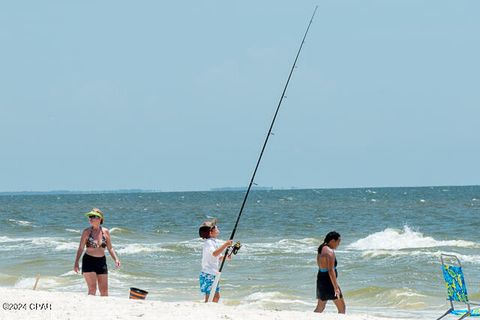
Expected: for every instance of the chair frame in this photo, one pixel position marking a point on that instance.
(467, 302)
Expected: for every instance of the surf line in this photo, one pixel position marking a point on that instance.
(217, 278)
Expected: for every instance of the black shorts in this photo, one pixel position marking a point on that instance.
(94, 264)
(325, 290)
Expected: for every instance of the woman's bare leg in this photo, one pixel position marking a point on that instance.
(320, 306)
(91, 279)
(103, 284)
(340, 303)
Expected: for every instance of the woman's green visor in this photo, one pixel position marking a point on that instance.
(94, 213)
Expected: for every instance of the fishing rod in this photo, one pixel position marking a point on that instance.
(217, 278)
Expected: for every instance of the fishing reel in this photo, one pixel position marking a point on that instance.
(235, 248)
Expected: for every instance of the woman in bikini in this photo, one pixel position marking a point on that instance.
(327, 284)
(94, 263)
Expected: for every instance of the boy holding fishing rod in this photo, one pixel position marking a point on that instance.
(211, 257)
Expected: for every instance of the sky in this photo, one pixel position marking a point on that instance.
(179, 95)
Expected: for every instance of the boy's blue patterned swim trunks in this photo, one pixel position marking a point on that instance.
(206, 282)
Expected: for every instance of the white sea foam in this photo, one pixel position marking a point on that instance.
(53, 242)
(465, 258)
(474, 259)
(385, 253)
(73, 230)
(43, 282)
(434, 255)
(116, 230)
(15, 243)
(43, 241)
(404, 298)
(135, 248)
(67, 246)
(195, 244)
(6, 239)
(283, 246)
(264, 295)
(56, 243)
(162, 231)
(20, 222)
(24, 283)
(394, 239)
(273, 297)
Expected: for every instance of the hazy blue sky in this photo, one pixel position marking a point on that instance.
(178, 95)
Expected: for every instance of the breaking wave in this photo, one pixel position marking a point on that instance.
(394, 239)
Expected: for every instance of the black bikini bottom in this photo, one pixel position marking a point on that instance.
(94, 264)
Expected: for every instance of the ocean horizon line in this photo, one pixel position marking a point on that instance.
(216, 189)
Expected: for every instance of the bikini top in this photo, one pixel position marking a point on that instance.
(92, 243)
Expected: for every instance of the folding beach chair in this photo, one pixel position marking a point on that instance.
(456, 288)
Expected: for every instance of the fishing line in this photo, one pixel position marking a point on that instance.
(217, 277)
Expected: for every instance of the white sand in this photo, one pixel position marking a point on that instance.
(76, 306)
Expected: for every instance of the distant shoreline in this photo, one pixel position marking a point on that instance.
(221, 189)
(63, 192)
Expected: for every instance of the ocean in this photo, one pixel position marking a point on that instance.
(388, 261)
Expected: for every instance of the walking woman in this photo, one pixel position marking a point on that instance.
(94, 263)
(327, 284)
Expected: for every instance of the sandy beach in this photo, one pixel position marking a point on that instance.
(63, 305)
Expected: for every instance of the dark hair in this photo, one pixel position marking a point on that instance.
(332, 235)
(204, 232)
